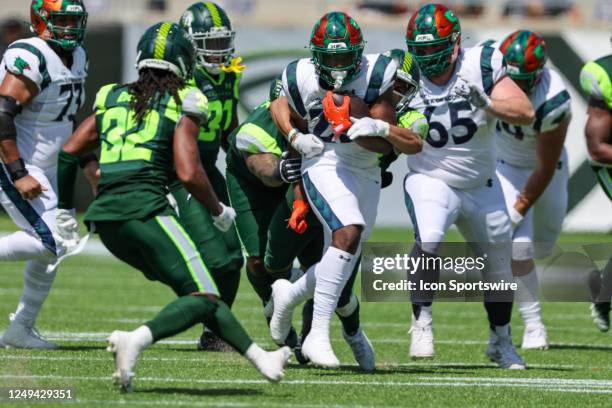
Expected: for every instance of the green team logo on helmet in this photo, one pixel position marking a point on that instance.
(336, 45)
(61, 22)
(431, 36)
(407, 80)
(525, 55)
(165, 46)
(210, 29)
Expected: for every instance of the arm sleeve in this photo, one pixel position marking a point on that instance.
(252, 139)
(67, 166)
(21, 61)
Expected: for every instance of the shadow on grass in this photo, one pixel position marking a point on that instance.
(580, 347)
(200, 392)
(80, 348)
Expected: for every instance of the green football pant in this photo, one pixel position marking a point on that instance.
(220, 251)
(161, 249)
(604, 176)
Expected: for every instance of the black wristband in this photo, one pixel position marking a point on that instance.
(17, 169)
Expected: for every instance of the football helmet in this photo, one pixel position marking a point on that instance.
(407, 79)
(432, 35)
(210, 30)
(60, 22)
(336, 46)
(525, 55)
(166, 46)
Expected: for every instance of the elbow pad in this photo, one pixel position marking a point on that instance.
(9, 108)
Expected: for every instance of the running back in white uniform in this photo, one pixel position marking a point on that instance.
(342, 183)
(43, 126)
(517, 158)
(459, 147)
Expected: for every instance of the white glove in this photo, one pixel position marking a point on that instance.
(307, 144)
(224, 221)
(67, 227)
(515, 217)
(472, 93)
(368, 127)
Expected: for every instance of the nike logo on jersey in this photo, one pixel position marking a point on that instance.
(344, 258)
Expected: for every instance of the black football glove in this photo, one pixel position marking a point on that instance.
(290, 168)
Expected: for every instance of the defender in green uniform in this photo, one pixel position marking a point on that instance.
(596, 82)
(146, 130)
(217, 75)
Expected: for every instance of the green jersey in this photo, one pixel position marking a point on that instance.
(596, 82)
(222, 95)
(136, 159)
(258, 134)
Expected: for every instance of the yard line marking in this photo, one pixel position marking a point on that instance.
(101, 336)
(381, 366)
(546, 384)
(219, 403)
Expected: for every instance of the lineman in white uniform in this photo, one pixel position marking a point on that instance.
(452, 181)
(341, 177)
(533, 170)
(42, 87)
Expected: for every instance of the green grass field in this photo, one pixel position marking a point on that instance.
(94, 295)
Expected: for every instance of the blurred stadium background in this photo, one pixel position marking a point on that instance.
(270, 33)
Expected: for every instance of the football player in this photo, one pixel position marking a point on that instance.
(341, 176)
(532, 168)
(145, 129)
(452, 180)
(41, 88)
(217, 75)
(596, 82)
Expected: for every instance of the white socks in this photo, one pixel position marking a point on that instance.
(22, 246)
(303, 288)
(143, 337)
(425, 316)
(36, 285)
(528, 298)
(332, 273)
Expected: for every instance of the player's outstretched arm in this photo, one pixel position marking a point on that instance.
(16, 91)
(265, 166)
(510, 104)
(84, 140)
(292, 125)
(597, 132)
(188, 166)
(549, 148)
(384, 111)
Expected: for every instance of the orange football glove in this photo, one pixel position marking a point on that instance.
(337, 116)
(297, 221)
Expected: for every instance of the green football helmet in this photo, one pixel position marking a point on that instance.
(431, 36)
(60, 22)
(167, 47)
(407, 79)
(210, 30)
(336, 45)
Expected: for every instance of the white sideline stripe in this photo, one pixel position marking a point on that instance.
(546, 384)
(381, 366)
(101, 336)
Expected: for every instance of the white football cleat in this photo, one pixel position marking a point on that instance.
(271, 364)
(501, 350)
(421, 339)
(319, 352)
(535, 338)
(125, 349)
(19, 336)
(600, 313)
(362, 349)
(280, 323)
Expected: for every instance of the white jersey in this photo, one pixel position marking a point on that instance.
(517, 145)
(47, 121)
(459, 148)
(305, 95)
